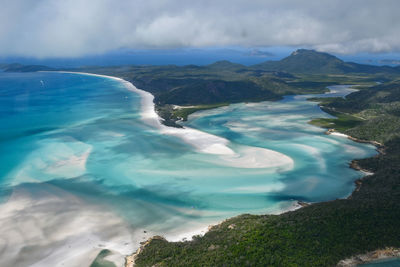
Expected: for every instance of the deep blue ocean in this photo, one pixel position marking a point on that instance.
(80, 170)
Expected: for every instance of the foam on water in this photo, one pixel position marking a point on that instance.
(52, 160)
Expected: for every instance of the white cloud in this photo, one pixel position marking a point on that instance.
(68, 28)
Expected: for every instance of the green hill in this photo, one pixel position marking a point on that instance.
(372, 113)
(313, 62)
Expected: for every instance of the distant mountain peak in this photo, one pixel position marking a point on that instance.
(302, 51)
(315, 62)
(311, 52)
(294, 53)
(306, 61)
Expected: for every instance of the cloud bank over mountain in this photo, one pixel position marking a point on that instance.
(73, 28)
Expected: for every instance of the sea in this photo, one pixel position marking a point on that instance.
(85, 166)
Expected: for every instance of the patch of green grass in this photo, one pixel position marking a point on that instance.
(184, 112)
(342, 122)
(381, 128)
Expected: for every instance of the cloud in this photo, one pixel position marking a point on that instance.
(72, 28)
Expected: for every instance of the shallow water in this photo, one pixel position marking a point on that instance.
(81, 170)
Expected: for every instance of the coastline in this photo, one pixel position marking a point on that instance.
(380, 147)
(150, 117)
(354, 164)
(130, 259)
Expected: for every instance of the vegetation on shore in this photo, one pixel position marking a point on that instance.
(173, 113)
(342, 122)
(369, 114)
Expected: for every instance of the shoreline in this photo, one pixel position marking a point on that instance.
(380, 148)
(130, 259)
(354, 164)
(150, 117)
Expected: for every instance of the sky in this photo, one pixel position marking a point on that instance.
(46, 29)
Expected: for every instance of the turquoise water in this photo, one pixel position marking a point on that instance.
(81, 171)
